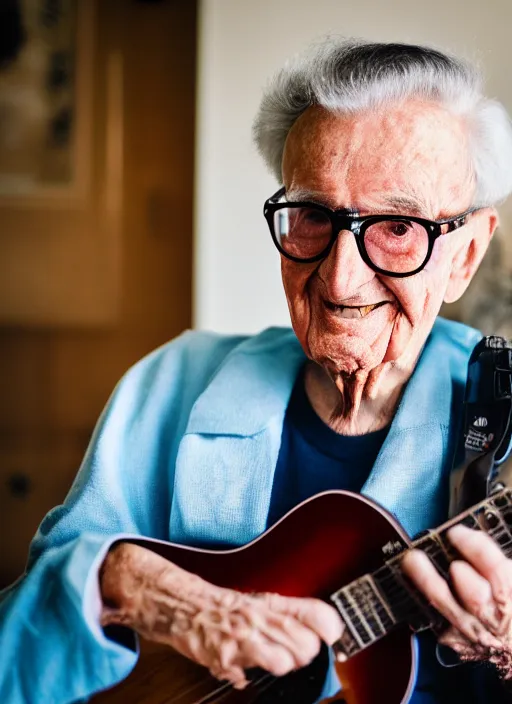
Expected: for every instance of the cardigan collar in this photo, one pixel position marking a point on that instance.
(251, 387)
(227, 457)
(254, 383)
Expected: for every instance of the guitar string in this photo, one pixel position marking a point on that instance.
(226, 688)
(259, 684)
(497, 533)
(197, 685)
(223, 690)
(220, 689)
(262, 684)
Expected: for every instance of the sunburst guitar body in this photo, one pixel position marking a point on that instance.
(339, 547)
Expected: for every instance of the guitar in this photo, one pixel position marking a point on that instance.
(340, 547)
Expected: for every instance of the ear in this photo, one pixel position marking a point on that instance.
(469, 255)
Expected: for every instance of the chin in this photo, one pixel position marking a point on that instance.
(344, 353)
(349, 344)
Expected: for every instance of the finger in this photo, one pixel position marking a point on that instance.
(233, 674)
(484, 554)
(454, 639)
(322, 618)
(301, 641)
(226, 654)
(258, 651)
(478, 548)
(279, 628)
(417, 566)
(462, 646)
(475, 594)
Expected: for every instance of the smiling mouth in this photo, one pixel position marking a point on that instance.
(354, 311)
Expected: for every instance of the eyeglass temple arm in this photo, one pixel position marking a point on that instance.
(280, 193)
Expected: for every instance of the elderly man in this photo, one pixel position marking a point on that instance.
(391, 161)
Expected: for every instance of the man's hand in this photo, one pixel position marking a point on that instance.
(224, 630)
(479, 604)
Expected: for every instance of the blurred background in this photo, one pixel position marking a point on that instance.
(131, 198)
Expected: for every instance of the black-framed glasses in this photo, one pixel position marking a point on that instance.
(394, 245)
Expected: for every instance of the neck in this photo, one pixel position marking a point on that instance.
(376, 603)
(355, 404)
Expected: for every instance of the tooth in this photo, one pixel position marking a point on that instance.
(366, 309)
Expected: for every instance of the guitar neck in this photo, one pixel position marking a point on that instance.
(377, 602)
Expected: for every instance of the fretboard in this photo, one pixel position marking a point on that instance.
(376, 603)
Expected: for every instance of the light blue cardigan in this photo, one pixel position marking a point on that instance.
(186, 451)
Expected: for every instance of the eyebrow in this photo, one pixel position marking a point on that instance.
(296, 195)
(410, 204)
(395, 203)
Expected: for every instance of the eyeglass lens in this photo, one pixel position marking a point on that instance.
(395, 246)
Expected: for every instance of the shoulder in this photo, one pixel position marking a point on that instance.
(205, 351)
(454, 342)
(455, 335)
(186, 365)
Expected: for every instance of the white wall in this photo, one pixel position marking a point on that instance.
(242, 43)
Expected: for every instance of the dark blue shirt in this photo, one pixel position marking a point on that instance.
(313, 458)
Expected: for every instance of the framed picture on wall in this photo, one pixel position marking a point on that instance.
(45, 102)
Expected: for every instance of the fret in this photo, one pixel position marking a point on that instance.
(351, 618)
(502, 499)
(499, 528)
(364, 610)
(363, 596)
(502, 536)
(374, 604)
(475, 516)
(439, 551)
(506, 516)
(501, 533)
(357, 612)
(494, 516)
(470, 521)
(405, 602)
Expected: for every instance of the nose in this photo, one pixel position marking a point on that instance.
(343, 271)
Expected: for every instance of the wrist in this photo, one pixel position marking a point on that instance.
(111, 580)
(135, 581)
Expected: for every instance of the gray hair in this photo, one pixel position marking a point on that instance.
(349, 76)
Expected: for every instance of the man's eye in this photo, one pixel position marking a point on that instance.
(315, 217)
(399, 229)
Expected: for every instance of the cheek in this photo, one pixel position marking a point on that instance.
(421, 296)
(439, 268)
(295, 280)
(440, 254)
(416, 299)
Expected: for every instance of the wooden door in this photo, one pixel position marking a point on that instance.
(56, 373)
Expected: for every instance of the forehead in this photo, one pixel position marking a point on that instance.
(413, 151)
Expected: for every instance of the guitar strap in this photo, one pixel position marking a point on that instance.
(487, 426)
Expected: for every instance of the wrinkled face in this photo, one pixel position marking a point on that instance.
(407, 159)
